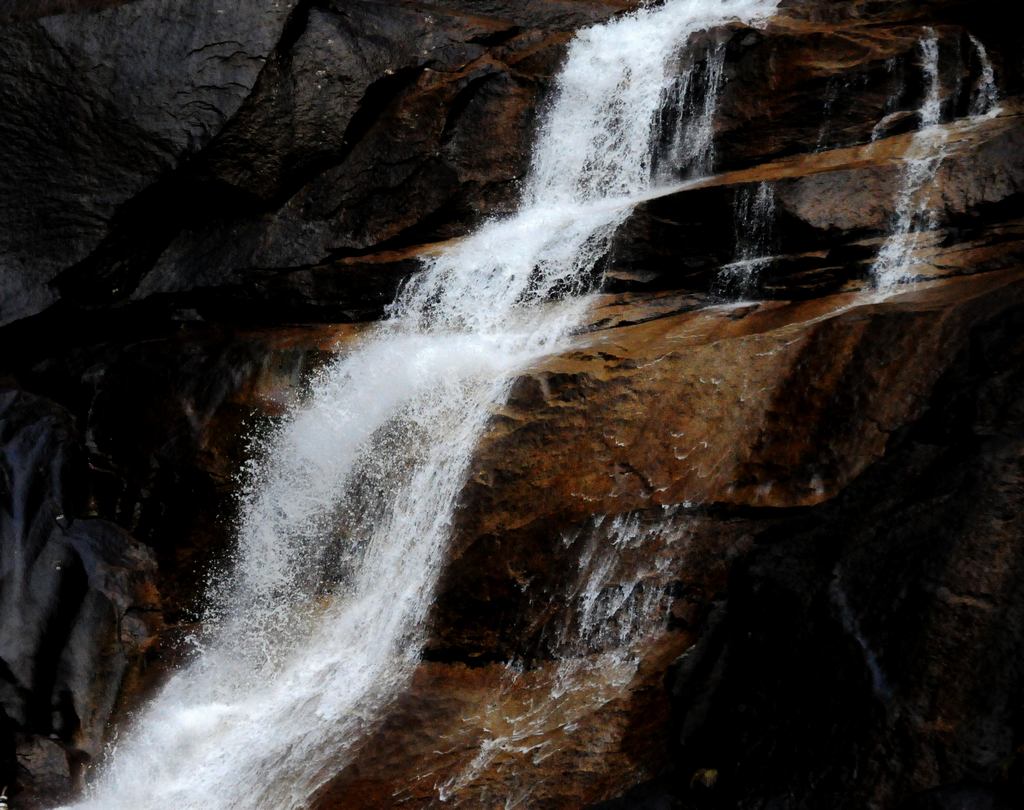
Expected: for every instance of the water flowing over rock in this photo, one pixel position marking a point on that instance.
(754, 226)
(314, 639)
(693, 103)
(986, 92)
(511, 403)
(916, 210)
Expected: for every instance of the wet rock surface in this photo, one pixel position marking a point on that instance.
(844, 613)
(816, 489)
(858, 629)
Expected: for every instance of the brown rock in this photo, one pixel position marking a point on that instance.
(470, 729)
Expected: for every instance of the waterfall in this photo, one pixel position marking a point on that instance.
(754, 229)
(694, 100)
(348, 505)
(915, 214)
(985, 99)
(612, 605)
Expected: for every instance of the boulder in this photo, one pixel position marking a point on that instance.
(79, 600)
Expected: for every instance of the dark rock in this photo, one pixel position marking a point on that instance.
(363, 135)
(961, 797)
(265, 136)
(44, 771)
(18, 10)
(99, 106)
(857, 632)
(79, 605)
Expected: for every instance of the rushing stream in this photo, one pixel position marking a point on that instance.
(346, 513)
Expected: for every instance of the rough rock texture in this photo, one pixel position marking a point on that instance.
(820, 487)
(831, 590)
(99, 107)
(161, 147)
(79, 601)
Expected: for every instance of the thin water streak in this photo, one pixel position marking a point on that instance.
(754, 230)
(607, 614)
(916, 212)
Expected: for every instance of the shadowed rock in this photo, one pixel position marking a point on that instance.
(79, 604)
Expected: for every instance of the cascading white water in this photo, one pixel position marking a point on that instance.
(347, 509)
(915, 214)
(892, 265)
(694, 100)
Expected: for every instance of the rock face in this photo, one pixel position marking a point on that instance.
(717, 554)
(99, 108)
(256, 138)
(79, 602)
(827, 605)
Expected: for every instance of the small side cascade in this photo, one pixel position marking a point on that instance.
(692, 101)
(610, 609)
(931, 110)
(915, 213)
(848, 619)
(985, 98)
(837, 90)
(754, 225)
(832, 90)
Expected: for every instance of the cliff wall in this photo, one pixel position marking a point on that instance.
(820, 484)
